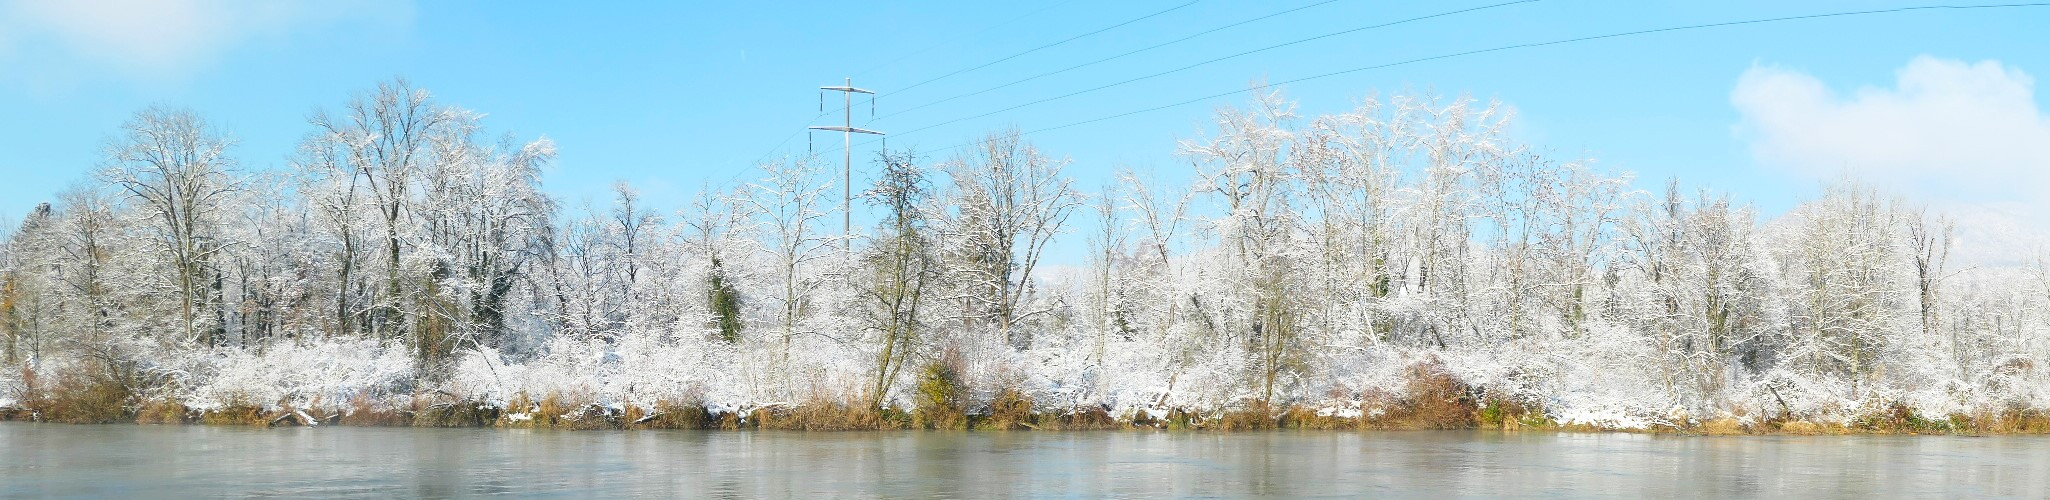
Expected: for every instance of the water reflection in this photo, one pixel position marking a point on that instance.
(151, 461)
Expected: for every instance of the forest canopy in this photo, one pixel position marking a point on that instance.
(1317, 262)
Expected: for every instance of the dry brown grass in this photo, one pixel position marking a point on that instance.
(668, 415)
(1801, 428)
(363, 411)
(237, 412)
(1010, 410)
(555, 411)
(2019, 421)
(826, 415)
(1434, 399)
(1724, 426)
(21, 409)
(1176, 419)
(77, 397)
(1087, 418)
(1306, 418)
(1899, 418)
(733, 421)
(443, 410)
(1251, 416)
(163, 411)
(1982, 422)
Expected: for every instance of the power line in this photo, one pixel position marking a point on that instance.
(1211, 61)
(786, 140)
(823, 113)
(793, 133)
(1106, 59)
(928, 48)
(1525, 46)
(1042, 47)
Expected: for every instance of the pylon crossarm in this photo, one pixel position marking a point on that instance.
(846, 129)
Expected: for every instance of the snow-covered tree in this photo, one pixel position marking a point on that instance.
(176, 167)
(901, 266)
(1292, 261)
(383, 141)
(1008, 202)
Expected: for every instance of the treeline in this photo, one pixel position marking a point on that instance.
(1333, 264)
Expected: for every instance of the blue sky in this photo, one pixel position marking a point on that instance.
(671, 96)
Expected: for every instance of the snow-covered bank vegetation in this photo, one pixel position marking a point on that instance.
(1404, 262)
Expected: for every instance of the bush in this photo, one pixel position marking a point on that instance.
(823, 415)
(1509, 415)
(939, 397)
(364, 411)
(668, 415)
(1724, 426)
(1254, 416)
(1299, 417)
(1085, 418)
(1181, 419)
(238, 411)
(429, 411)
(557, 411)
(1801, 428)
(1011, 410)
(163, 411)
(1433, 399)
(78, 397)
(1899, 418)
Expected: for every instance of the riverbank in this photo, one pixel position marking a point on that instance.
(552, 413)
(1433, 400)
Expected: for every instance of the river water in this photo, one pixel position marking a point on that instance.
(131, 461)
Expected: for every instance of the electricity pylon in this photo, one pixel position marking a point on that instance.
(847, 132)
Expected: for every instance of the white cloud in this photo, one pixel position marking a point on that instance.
(163, 35)
(1996, 233)
(1966, 138)
(1946, 129)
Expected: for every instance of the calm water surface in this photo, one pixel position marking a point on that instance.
(130, 461)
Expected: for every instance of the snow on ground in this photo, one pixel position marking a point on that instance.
(1604, 379)
(1604, 418)
(317, 374)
